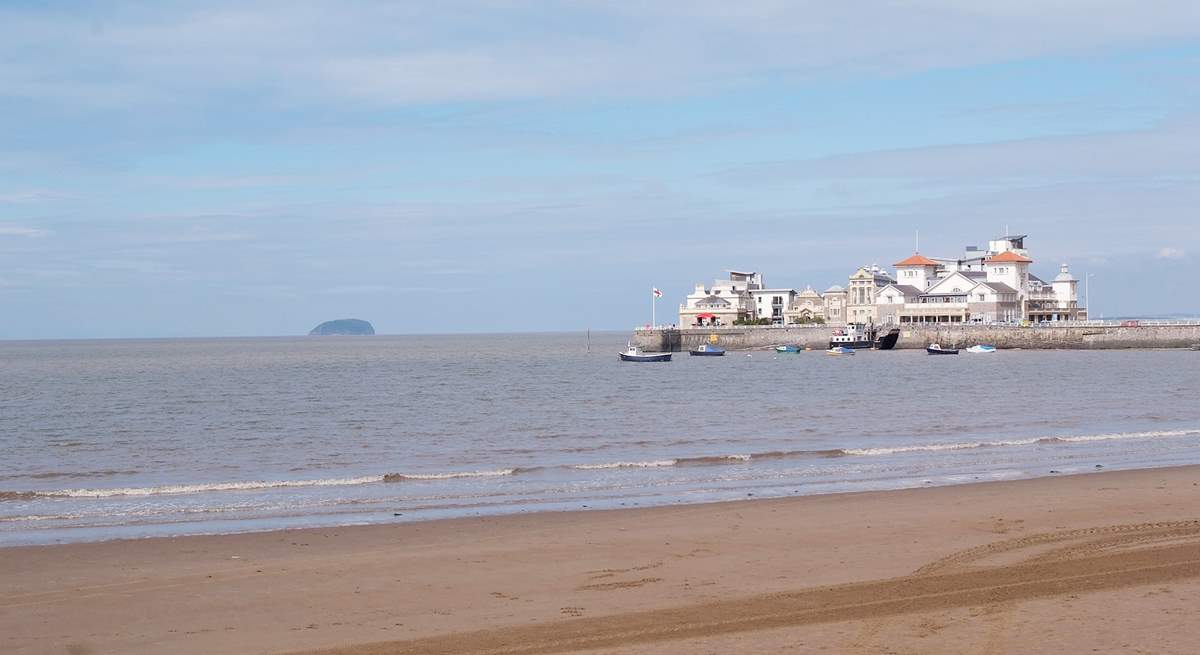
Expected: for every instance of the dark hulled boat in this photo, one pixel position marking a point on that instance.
(888, 341)
(635, 354)
(853, 336)
(935, 349)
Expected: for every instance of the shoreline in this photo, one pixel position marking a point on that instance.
(461, 584)
(597, 506)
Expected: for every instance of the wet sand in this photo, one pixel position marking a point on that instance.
(1107, 562)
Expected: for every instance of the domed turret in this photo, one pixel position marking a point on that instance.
(1065, 288)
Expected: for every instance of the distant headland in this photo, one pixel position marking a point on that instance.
(343, 327)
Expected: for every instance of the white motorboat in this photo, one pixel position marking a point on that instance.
(634, 354)
(981, 348)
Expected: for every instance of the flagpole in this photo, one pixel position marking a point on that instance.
(653, 307)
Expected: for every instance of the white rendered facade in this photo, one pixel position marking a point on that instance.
(771, 304)
(722, 303)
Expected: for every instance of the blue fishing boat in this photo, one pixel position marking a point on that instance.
(634, 354)
(787, 349)
(981, 349)
(707, 350)
(840, 350)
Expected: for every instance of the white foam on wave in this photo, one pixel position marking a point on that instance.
(211, 486)
(1084, 438)
(621, 465)
(934, 447)
(398, 477)
(250, 485)
(1129, 435)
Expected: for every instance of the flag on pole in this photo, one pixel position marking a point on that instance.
(657, 293)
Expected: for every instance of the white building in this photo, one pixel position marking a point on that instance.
(807, 307)
(723, 303)
(982, 287)
(835, 305)
(770, 304)
(861, 296)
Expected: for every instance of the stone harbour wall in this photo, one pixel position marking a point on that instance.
(1079, 337)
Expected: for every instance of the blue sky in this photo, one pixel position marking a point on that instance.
(187, 169)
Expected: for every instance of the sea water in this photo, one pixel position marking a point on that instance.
(137, 438)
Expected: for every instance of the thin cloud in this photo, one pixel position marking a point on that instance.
(401, 54)
(30, 196)
(1163, 149)
(1171, 253)
(19, 231)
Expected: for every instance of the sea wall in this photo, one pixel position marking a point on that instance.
(732, 338)
(1097, 337)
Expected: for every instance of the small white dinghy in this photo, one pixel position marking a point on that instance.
(981, 348)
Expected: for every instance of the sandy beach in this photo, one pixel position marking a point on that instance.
(1104, 562)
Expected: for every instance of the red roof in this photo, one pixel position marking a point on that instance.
(1009, 257)
(916, 260)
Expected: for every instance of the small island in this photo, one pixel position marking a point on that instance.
(343, 327)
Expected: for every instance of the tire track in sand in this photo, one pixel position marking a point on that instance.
(926, 591)
(971, 555)
(1110, 536)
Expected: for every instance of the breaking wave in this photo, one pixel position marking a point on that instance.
(19, 495)
(704, 460)
(401, 477)
(1021, 442)
(174, 489)
(626, 465)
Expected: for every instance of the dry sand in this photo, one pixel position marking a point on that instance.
(1107, 562)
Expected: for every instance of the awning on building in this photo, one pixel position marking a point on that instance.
(706, 315)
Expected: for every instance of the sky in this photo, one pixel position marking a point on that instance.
(228, 169)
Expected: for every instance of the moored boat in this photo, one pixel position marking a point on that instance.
(981, 348)
(936, 349)
(707, 350)
(840, 350)
(787, 349)
(634, 354)
(854, 336)
(888, 341)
